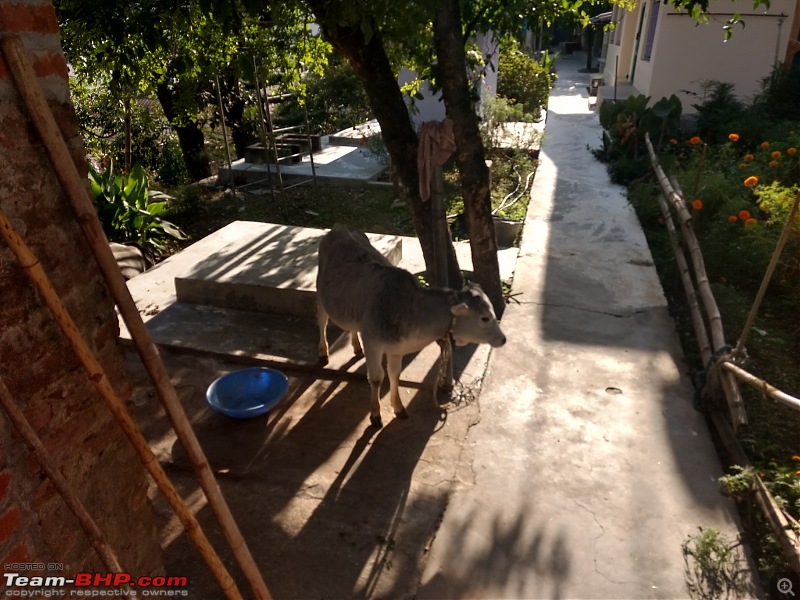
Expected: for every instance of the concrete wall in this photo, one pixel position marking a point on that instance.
(686, 54)
(701, 53)
(37, 365)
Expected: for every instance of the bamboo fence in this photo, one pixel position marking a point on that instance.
(720, 362)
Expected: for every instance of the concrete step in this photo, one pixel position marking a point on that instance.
(264, 267)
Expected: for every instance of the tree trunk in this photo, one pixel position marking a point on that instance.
(371, 64)
(449, 44)
(190, 137)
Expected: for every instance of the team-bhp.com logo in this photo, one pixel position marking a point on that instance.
(92, 585)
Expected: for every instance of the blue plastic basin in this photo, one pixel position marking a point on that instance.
(247, 393)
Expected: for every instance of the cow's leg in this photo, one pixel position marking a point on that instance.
(394, 365)
(357, 350)
(375, 376)
(322, 320)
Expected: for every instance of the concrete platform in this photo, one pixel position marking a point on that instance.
(267, 268)
(342, 161)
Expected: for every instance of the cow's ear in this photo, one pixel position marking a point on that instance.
(460, 310)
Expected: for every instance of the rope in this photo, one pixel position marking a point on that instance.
(700, 378)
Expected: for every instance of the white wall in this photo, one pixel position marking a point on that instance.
(431, 107)
(685, 54)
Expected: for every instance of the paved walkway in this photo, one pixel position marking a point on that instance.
(588, 467)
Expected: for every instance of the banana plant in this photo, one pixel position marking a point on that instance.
(130, 211)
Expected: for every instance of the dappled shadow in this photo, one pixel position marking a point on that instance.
(330, 506)
(507, 552)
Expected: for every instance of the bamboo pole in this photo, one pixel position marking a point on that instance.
(773, 263)
(730, 388)
(757, 382)
(77, 192)
(688, 286)
(94, 370)
(35, 445)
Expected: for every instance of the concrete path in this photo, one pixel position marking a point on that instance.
(588, 467)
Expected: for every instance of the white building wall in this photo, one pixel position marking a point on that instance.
(431, 106)
(686, 54)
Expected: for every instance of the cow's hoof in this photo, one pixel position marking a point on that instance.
(376, 421)
(402, 414)
(323, 359)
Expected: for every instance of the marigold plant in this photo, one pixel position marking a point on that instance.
(776, 154)
(733, 219)
(791, 151)
(744, 215)
(742, 165)
(751, 181)
(694, 140)
(750, 223)
(765, 145)
(773, 163)
(734, 137)
(697, 204)
(748, 157)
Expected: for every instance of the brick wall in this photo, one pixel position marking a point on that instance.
(36, 363)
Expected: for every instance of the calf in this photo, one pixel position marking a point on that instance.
(360, 291)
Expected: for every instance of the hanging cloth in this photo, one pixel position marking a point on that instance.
(436, 144)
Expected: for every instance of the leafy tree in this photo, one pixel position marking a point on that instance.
(177, 50)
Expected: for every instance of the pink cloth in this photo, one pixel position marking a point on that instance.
(436, 144)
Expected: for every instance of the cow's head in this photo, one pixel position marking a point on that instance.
(474, 318)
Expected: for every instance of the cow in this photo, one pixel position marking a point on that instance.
(360, 291)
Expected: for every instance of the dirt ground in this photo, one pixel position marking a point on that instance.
(330, 506)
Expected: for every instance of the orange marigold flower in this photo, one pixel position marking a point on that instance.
(751, 181)
(673, 141)
(750, 223)
(694, 140)
(748, 157)
(742, 165)
(734, 137)
(733, 219)
(795, 457)
(697, 204)
(776, 154)
(744, 215)
(765, 145)
(773, 163)
(791, 151)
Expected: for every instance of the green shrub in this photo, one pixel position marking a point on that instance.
(718, 110)
(495, 113)
(153, 143)
(129, 211)
(334, 100)
(523, 81)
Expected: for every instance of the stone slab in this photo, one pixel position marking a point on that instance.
(268, 268)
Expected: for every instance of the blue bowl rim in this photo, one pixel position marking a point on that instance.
(252, 411)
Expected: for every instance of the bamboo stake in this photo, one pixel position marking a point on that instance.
(762, 290)
(731, 390)
(94, 370)
(688, 285)
(35, 445)
(762, 385)
(77, 192)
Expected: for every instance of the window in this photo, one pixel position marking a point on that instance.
(651, 30)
